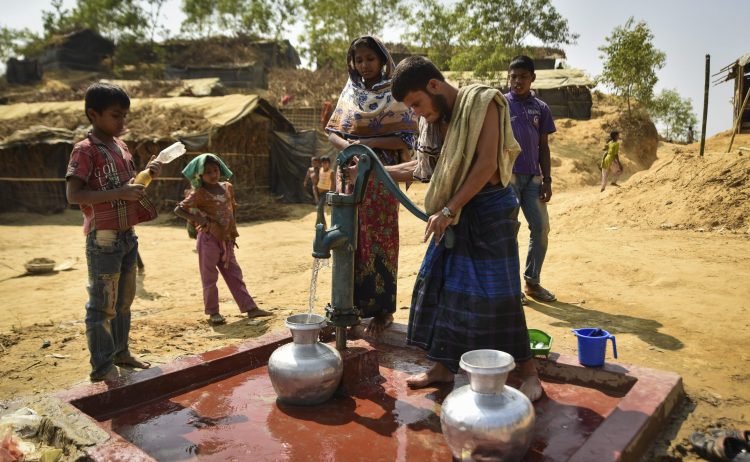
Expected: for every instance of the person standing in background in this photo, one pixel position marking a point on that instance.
(532, 123)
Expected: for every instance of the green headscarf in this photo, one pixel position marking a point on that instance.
(194, 169)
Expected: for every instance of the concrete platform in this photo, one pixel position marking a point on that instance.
(220, 405)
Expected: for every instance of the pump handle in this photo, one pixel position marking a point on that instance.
(369, 161)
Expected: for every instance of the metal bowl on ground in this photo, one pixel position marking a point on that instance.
(40, 265)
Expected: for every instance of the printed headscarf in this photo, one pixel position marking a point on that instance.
(368, 113)
(194, 169)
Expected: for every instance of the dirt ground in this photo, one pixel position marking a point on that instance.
(675, 296)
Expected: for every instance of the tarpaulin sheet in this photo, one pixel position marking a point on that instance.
(546, 79)
(218, 110)
(290, 159)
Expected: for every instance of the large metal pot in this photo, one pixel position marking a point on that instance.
(305, 371)
(487, 420)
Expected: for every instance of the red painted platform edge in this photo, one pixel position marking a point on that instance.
(154, 383)
(627, 433)
(118, 449)
(360, 363)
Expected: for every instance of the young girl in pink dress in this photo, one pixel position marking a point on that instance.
(213, 200)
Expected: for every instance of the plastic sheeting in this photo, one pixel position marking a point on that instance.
(546, 79)
(290, 159)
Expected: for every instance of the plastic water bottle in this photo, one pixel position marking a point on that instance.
(171, 153)
(143, 177)
(166, 156)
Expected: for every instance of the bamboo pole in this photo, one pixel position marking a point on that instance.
(705, 103)
(738, 118)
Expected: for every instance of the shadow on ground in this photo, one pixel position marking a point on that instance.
(575, 316)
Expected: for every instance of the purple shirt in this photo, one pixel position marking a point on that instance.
(529, 118)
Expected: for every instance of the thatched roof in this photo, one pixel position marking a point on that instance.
(39, 134)
(149, 118)
(546, 79)
(729, 72)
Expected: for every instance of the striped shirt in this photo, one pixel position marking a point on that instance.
(102, 167)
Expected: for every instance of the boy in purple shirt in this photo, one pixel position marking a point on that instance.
(532, 122)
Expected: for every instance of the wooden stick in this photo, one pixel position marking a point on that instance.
(705, 103)
(738, 121)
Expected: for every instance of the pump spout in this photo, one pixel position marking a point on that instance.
(325, 240)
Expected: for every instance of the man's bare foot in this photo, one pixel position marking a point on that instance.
(379, 323)
(131, 361)
(436, 374)
(258, 313)
(531, 386)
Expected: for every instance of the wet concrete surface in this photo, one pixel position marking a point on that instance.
(381, 419)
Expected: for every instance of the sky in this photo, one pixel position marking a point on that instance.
(686, 30)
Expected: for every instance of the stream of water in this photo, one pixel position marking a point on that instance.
(317, 264)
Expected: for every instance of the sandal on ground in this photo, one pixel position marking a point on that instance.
(216, 319)
(524, 300)
(716, 432)
(721, 448)
(132, 362)
(540, 294)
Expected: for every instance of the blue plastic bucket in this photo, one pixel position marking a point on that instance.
(592, 345)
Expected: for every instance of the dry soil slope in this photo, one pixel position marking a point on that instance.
(680, 190)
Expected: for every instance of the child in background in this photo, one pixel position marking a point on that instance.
(100, 178)
(311, 177)
(214, 201)
(325, 183)
(611, 160)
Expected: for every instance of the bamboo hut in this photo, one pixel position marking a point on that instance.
(236, 127)
(39, 155)
(739, 71)
(83, 50)
(567, 92)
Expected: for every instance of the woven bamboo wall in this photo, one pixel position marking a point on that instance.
(33, 177)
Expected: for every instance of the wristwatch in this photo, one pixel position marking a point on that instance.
(546, 179)
(447, 213)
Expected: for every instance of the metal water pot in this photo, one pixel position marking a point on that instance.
(305, 371)
(487, 420)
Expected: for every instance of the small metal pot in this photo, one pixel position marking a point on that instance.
(305, 372)
(487, 420)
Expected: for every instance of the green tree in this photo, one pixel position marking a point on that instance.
(131, 24)
(674, 113)
(631, 61)
(330, 25)
(198, 16)
(111, 18)
(241, 17)
(436, 30)
(58, 20)
(154, 14)
(13, 42)
(490, 32)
